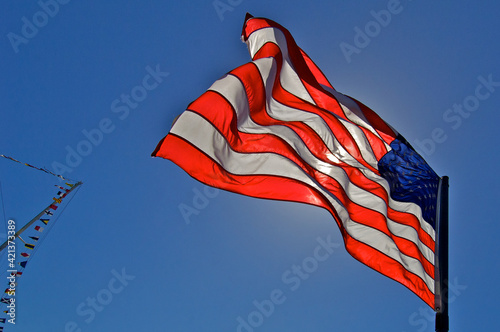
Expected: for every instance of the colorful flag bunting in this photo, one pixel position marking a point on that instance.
(276, 128)
(38, 168)
(45, 221)
(38, 228)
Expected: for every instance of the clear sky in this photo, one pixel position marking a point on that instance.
(114, 74)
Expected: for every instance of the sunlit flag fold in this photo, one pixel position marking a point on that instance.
(275, 128)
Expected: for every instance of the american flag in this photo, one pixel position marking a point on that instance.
(275, 128)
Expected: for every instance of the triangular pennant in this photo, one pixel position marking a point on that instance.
(36, 238)
(45, 221)
(69, 184)
(23, 264)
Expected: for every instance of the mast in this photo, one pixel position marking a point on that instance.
(32, 221)
(442, 318)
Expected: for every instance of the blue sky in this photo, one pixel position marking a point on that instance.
(430, 69)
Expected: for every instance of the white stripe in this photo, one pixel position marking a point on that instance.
(289, 79)
(205, 137)
(354, 113)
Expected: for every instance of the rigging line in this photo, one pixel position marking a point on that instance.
(3, 207)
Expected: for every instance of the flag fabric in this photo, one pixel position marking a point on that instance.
(45, 221)
(62, 188)
(25, 254)
(38, 228)
(275, 128)
(29, 246)
(9, 290)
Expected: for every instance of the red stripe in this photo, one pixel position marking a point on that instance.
(318, 74)
(376, 121)
(390, 268)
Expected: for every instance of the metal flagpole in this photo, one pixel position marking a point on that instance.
(32, 221)
(442, 318)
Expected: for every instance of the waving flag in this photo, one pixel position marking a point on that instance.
(275, 128)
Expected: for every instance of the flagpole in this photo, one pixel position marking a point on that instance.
(442, 318)
(2, 247)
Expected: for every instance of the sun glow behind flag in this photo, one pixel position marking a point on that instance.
(276, 128)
